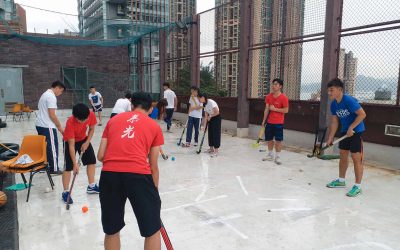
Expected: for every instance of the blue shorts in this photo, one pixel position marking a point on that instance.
(273, 131)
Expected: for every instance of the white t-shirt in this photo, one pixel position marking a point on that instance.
(211, 104)
(47, 101)
(170, 96)
(193, 103)
(95, 98)
(122, 105)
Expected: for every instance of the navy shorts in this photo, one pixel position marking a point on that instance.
(353, 144)
(97, 108)
(273, 131)
(88, 158)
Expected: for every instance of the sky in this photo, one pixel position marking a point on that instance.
(378, 53)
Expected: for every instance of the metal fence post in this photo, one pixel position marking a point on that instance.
(140, 64)
(333, 23)
(243, 102)
(162, 55)
(195, 51)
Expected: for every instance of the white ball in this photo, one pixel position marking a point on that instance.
(48, 190)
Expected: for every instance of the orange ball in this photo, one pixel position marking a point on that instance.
(85, 209)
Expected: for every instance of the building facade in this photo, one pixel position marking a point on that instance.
(14, 17)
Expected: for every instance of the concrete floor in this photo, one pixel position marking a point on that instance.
(234, 201)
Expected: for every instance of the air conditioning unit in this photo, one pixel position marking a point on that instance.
(392, 130)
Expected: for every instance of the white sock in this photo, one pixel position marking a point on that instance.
(341, 179)
(271, 153)
(67, 190)
(92, 185)
(358, 185)
(278, 154)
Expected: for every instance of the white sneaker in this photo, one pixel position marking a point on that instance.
(268, 158)
(278, 160)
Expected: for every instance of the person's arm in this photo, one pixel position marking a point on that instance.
(206, 118)
(215, 112)
(91, 101)
(284, 110)
(102, 100)
(102, 149)
(175, 103)
(332, 129)
(153, 160)
(360, 117)
(71, 146)
(54, 119)
(266, 111)
(88, 139)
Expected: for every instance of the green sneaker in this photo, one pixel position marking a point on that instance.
(336, 184)
(354, 191)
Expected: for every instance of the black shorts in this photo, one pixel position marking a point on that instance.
(143, 195)
(273, 131)
(113, 114)
(97, 108)
(88, 158)
(354, 144)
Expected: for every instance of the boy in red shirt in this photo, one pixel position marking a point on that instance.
(129, 151)
(276, 106)
(77, 139)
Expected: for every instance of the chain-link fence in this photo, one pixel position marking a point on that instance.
(369, 55)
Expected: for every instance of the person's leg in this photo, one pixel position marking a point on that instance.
(146, 204)
(99, 117)
(189, 130)
(51, 155)
(343, 163)
(112, 242)
(66, 178)
(211, 135)
(66, 175)
(196, 124)
(217, 134)
(89, 160)
(269, 138)
(278, 134)
(112, 203)
(168, 120)
(358, 166)
(153, 242)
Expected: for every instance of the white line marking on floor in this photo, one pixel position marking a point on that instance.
(181, 189)
(201, 195)
(276, 199)
(290, 209)
(194, 203)
(236, 230)
(222, 219)
(242, 186)
(362, 244)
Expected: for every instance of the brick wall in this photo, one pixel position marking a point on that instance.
(108, 68)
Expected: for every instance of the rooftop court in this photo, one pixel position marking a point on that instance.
(234, 201)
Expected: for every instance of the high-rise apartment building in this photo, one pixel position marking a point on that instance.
(179, 40)
(347, 70)
(271, 21)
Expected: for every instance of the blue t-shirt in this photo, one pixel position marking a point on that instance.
(345, 111)
(154, 114)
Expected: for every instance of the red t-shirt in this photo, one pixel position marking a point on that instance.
(77, 130)
(130, 136)
(279, 102)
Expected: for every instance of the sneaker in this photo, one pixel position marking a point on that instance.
(336, 184)
(164, 156)
(185, 145)
(93, 190)
(354, 191)
(268, 158)
(278, 160)
(64, 197)
(100, 124)
(195, 144)
(214, 154)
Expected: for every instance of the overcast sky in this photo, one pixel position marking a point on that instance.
(378, 53)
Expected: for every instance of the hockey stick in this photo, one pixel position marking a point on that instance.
(318, 151)
(165, 237)
(4, 146)
(202, 139)
(260, 134)
(73, 181)
(183, 132)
